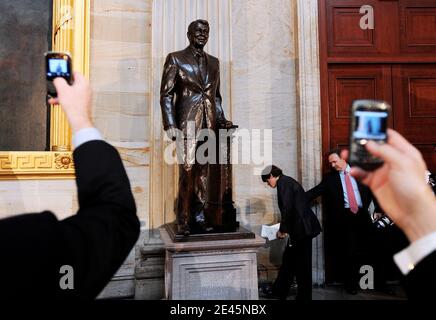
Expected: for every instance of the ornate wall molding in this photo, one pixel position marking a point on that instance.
(309, 109)
(36, 165)
(170, 23)
(71, 21)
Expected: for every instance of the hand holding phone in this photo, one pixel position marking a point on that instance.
(399, 186)
(369, 120)
(58, 65)
(75, 100)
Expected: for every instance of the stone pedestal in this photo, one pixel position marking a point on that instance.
(211, 270)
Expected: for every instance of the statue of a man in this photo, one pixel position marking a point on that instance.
(190, 94)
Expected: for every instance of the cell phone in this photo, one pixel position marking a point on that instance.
(58, 64)
(369, 121)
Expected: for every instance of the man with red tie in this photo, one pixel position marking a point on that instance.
(347, 223)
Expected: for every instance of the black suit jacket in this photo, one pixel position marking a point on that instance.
(297, 219)
(185, 94)
(94, 242)
(421, 281)
(333, 196)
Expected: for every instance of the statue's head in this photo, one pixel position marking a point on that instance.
(198, 33)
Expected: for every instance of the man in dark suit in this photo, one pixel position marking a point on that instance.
(405, 197)
(190, 100)
(300, 224)
(348, 222)
(37, 250)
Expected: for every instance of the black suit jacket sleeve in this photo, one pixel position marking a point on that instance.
(98, 239)
(421, 281)
(316, 191)
(94, 242)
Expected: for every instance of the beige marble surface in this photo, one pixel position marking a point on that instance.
(17, 197)
(263, 97)
(120, 69)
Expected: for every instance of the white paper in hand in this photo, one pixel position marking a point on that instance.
(270, 232)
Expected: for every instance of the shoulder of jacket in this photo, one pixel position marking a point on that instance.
(175, 55)
(331, 174)
(212, 58)
(285, 180)
(282, 178)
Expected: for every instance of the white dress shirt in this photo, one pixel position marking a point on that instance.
(85, 135)
(355, 188)
(408, 258)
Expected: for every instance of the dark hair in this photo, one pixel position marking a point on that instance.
(335, 151)
(194, 23)
(271, 170)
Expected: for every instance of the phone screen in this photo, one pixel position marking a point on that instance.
(58, 64)
(58, 68)
(370, 125)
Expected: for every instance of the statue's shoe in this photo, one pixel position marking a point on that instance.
(204, 227)
(183, 229)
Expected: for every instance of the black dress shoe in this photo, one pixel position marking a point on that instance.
(204, 227)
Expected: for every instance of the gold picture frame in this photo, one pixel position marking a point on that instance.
(71, 33)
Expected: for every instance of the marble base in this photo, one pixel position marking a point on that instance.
(211, 270)
(150, 268)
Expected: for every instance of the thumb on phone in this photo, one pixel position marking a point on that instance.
(61, 84)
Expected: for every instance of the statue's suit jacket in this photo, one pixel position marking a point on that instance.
(186, 93)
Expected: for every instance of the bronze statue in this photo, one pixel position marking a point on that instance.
(190, 93)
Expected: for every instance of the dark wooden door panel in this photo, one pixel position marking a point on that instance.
(347, 38)
(415, 106)
(352, 82)
(418, 26)
(415, 102)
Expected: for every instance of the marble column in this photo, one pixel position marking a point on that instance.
(309, 110)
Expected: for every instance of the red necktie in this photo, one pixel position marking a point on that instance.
(350, 193)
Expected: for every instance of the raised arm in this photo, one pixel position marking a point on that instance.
(93, 243)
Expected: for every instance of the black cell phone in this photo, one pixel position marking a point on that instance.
(58, 64)
(369, 122)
